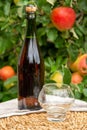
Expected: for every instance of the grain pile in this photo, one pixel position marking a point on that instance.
(74, 121)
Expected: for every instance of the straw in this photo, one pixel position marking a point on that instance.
(38, 121)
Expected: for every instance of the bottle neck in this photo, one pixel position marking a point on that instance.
(31, 24)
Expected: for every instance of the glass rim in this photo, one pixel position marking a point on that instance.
(61, 85)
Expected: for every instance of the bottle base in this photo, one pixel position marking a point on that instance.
(29, 108)
(30, 103)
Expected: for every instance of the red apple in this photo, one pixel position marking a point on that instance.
(76, 78)
(6, 72)
(63, 18)
(80, 65)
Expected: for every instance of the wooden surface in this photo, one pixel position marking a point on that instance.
(74, 121)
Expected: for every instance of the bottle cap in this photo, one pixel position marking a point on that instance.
(30, 8)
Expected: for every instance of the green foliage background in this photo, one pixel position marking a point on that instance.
(56, 46)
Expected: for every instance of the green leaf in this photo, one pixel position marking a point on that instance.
(73, 51)
(7, 8)
(77, 94)
(41, 31)
(80, 87)
(47, 63)
(1, 96)
(66, 76)
(40, 3)
(59, 42)
(2, 45)
(10, 82)
(60, 61)
(68, 2)
(85, 80)
(85, 46)
(65, 34)
(20, 11)
(51, 1)
(85, 92)
(52, 35)
(82, 5)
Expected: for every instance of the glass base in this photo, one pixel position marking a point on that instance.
(56, 118)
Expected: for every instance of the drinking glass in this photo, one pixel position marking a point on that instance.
(56, 99)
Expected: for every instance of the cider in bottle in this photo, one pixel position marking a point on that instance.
(30, 66)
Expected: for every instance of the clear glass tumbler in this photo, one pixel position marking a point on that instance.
(56, 100)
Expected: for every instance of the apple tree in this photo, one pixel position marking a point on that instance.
(56, 46)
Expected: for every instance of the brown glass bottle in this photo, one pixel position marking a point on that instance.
(30, 66)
